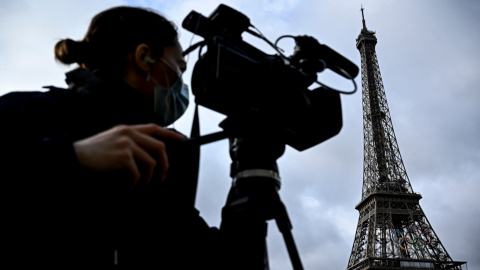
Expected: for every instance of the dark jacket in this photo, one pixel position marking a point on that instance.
(60, 216)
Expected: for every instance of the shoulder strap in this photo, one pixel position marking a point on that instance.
(62, 96)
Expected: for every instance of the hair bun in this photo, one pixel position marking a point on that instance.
(69, 51)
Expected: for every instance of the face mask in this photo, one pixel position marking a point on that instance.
(171, 101)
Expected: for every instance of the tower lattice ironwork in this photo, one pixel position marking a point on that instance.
(393, 232)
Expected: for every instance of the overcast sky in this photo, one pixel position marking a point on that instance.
(430, 64)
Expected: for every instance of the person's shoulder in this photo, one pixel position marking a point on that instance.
(33, 111)
(16, 103)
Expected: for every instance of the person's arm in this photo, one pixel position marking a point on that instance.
(37, 151)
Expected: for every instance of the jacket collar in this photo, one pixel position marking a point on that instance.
(110, 97)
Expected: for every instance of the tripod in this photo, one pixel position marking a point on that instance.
(254, 199)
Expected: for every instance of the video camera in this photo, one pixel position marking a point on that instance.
(254, 88)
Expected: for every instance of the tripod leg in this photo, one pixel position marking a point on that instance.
(285, 227)
(246, 244)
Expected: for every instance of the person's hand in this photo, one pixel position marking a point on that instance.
(127, 147)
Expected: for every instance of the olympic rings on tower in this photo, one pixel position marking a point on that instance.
(402, 239)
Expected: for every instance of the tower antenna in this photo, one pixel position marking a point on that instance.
(363, 18)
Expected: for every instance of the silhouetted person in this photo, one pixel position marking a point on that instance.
(85, 174)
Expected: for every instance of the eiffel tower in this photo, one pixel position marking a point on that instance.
(393, 232)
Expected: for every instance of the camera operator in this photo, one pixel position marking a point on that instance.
(86, 178)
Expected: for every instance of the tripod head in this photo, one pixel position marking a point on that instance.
(253, 198)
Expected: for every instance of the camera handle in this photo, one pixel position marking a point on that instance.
(254, 199)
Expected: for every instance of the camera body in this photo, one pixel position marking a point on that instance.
(254, 88)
